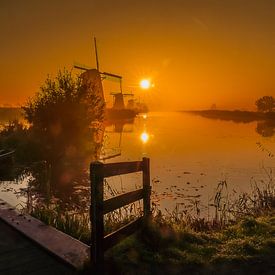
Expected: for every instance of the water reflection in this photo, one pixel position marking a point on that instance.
(266, 128)
(64, 185)
(63, 180)
(59, 174)
(189, 156)
(119, 126)
(144, 137)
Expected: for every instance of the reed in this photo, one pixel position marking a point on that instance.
(77, 223)
(228, 210)
(240, 235)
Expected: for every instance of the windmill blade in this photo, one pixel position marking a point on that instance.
(112, 77)
(81, 66)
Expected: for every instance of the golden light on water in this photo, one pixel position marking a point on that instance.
(144, 137)
(145, 84)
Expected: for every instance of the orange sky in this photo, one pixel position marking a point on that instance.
(197, 52)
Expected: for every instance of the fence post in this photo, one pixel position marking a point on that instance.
(146, 188)
(96, 216)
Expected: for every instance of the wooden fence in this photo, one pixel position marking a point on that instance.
(99, 207)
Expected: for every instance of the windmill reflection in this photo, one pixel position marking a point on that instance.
(112, 148)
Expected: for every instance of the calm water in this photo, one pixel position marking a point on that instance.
(189, 156)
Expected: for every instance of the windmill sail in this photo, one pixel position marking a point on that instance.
(112, 77)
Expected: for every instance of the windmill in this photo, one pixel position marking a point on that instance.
(118, 97)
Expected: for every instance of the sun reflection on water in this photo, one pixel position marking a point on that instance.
(144, 137)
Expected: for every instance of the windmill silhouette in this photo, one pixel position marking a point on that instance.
(118, 97)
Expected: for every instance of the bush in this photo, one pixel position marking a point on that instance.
(62, 112)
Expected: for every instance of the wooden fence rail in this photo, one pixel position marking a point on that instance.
(99, 207)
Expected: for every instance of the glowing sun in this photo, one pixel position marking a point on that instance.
(145, 84)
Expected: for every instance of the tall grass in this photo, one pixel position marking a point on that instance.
(77, 223)
(228, 210)
(238, 239)
(73, 224)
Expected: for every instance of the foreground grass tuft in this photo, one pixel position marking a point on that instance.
(160, 249)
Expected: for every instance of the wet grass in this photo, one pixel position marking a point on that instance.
(78, 225)
(169, 248)
(73, 224)
(239, 239)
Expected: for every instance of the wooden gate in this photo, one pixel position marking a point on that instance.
(99, 207)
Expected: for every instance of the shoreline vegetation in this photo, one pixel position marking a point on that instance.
(265, 120)
(9, 114)
(235, 116)
(265, 112)
(240, 237)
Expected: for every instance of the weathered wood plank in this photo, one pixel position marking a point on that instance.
(96, 215)
(23, 256)
(120, 168)
(59, 244)
(121, 200)
(125, 231)
(146, 187)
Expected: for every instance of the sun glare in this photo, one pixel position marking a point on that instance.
(145, 84)
(144, 137)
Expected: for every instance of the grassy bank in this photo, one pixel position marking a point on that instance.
(173, 247)
(240, 238)
(247, 245)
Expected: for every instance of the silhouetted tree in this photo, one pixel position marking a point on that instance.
(61, 114)
(265, 104)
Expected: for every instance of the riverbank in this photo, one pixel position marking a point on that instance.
(246, 246)
(235, 116)
(240, 239)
